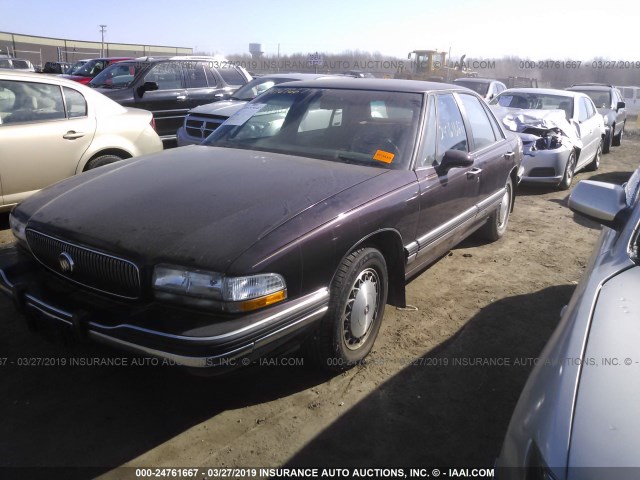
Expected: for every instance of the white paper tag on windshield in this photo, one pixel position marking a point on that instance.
(245, 113)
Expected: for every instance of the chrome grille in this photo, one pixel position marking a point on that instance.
(90, 268)
(202, 127)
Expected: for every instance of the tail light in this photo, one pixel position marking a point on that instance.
(153, 123)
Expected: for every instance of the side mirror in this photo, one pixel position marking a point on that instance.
(147, 87)
(599, 201)
(455, 159)
(620, 105)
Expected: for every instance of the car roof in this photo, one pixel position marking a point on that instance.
(298, 76)
(544, 91)
(348, 83)
(476, 80)
(37, 77)
(590, 87)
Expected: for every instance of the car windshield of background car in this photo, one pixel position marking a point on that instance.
(117, 75)
(478, 87)
(255, 87)
(373, 128)
(601, 98)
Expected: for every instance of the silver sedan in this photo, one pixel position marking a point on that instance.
(577, 417)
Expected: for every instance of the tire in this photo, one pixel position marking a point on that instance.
(606, 147)
(595, 163)
(101, 161)
(496, 225)
(617, 140)
(347, 332)
(569, 170)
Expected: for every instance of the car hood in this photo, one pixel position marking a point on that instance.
(537, 122)
(77, 78)
(194, 205)
(224, 108)
(606, 422)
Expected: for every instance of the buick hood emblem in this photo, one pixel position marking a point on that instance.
(66, 262)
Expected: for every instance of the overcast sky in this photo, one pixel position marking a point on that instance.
(492, 28)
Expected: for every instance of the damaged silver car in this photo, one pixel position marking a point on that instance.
(561, 132)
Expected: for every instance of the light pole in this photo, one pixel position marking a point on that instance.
(102, 30)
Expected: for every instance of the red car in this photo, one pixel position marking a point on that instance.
(93, 68)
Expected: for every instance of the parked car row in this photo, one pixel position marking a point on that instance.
(169, 86)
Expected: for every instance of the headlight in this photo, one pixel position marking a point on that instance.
(18, 228)
(606, 119)
(236, 294)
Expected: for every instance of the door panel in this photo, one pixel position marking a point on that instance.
(169, 103)
(34, 155)
(447, 198)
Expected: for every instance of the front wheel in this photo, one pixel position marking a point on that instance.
(346, 334)
(496, 225)
(567, 179)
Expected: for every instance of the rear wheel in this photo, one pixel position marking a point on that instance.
(101, 161)
(346, 334)
(617, 140)
(496, 225)
(567, 179)
(606, 147)
(595, 163)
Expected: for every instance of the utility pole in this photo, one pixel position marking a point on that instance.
(103, 28)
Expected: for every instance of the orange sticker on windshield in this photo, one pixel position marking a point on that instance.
(383, 156)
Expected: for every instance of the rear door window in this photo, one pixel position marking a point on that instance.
(481, 129)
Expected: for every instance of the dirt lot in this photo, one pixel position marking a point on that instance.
(483, 302)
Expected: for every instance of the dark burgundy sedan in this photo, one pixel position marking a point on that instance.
(296, 221)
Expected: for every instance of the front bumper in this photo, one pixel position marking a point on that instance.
(185, 337)
(185, 139)
(545, 166)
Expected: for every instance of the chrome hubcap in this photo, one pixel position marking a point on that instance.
(504, 209)
(361, 310)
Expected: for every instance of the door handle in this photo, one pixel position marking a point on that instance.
(181, 98)
(474, 173)
(509, 155)
(71, 135)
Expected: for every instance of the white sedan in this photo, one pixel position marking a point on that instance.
(561, 131)
(52, 128)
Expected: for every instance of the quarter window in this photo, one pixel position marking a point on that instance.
(231, 76)
(76, 104)
(481, 129)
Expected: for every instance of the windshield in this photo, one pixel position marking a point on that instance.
(534, 101)
(76, 66)
(479, 87)
(257, 86)
(91, 68)
(117, 75)
(372, 128)
(601, 98)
